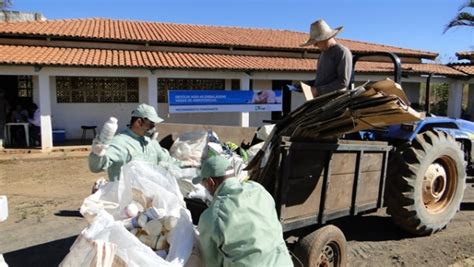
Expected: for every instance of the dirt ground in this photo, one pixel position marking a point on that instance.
(45, 193)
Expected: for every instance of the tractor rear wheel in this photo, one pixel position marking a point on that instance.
(426, 183)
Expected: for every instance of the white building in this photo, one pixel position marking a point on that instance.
(82, 71)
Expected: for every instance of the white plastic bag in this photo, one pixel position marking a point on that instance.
(190, 147)
(3, 208)
(104, 208)
(107, 243)
(239, 165)
(183, 176)
(253, 150)
(87, 252)
(153, 181)
(264, 131)
(3, 263)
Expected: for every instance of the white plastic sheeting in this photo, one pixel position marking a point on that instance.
(190, 148)
(107, 238)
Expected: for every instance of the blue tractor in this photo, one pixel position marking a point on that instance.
(427, 166)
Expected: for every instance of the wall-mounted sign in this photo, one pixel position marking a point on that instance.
(189, 101)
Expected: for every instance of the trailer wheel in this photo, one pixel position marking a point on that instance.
(426, 183)
(323, 247)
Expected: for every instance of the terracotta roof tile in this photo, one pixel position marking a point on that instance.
(465, 55)
(466, 68)
(365, 66)
(34, 55)
(183, 34)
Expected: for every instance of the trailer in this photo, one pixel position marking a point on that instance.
(320, 182)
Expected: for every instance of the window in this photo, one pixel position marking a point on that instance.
(165, 84)
(235, 84)
(25, 86)
(96, 90)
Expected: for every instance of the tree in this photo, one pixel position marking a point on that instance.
(439, 99)
(4, 4)
(463, 18)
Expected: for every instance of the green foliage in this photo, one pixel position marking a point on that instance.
(463, 18)
(4, 4)
(439, 94)
(439, 99)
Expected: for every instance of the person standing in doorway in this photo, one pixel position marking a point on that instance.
(4, 108)
(334, 66)
(34, 119)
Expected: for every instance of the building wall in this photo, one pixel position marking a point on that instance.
(412, 91)
(470, 103)
(17, 16)
(297, 99)
(70, 116)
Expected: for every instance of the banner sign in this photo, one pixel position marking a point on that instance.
(190, 101)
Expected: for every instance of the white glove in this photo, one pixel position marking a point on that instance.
(155, 136)
(98, 148)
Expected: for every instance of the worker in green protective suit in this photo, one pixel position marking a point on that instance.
(138, 142)
(240, 227)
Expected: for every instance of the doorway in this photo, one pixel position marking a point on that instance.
(15, 91)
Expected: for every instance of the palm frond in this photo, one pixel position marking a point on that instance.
(469, 3)
(462, 19)
(4, 4)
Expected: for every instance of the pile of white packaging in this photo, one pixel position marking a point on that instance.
(140, 220)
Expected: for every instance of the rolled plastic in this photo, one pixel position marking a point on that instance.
(131, 223)
(161, 243)
(108, 130)
(142, 219)
(153, 227)
(155, 213)
(162, 253)
(170, 222)
(131, 210)
(148, 240)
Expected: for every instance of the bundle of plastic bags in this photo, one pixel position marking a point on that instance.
(139, 220)
(191, 147)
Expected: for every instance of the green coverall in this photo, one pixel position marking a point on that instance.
(125, 147)
(240, 228)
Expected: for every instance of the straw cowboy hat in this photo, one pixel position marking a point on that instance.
(320, 31)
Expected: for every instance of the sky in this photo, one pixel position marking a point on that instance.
(413, 24)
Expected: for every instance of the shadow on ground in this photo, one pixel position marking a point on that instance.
(47, 254)
(370, 228)
(68, 213)
(467, 206)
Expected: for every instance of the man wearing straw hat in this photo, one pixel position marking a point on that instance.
(334, 66)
